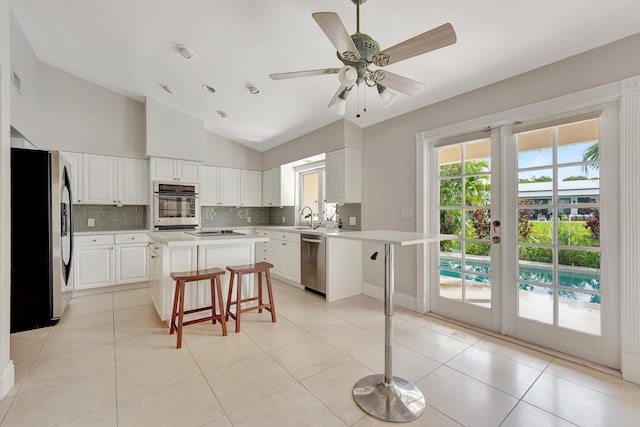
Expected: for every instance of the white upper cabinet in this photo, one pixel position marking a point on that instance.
(100, 179)
(209, 186)
(278, 186)
(229, 187)
(75, 160)
(174, 170)
(188, 171)
(343, 175)
(114, 180)
(133, 181)
(250, 188)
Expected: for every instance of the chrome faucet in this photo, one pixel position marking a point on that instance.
(309, 215)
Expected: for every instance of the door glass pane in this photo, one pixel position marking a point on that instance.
(451, 192)
(535, 303)
(478, 224)
(450, 160)
(478, 190)
(579, 311)
(535, 148)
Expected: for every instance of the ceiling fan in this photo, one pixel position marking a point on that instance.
(359, 51)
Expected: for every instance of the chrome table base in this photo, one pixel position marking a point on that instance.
(387, 397)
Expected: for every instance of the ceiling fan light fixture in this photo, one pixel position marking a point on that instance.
(185, 51)
(347, 75)
(387, 96)
(168, 88)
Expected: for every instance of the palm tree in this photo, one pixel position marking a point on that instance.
(591, 154)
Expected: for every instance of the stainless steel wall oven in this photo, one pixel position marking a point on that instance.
(175, 206)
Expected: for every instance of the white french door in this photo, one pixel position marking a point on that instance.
(535, 211)
(560, 215)
(468, 199)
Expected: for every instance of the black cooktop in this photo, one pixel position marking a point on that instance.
(215, 233)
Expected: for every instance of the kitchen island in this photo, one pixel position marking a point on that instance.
(174, 251)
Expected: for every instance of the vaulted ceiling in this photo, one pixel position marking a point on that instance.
(129, 46)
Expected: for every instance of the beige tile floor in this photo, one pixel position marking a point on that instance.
(111, 362)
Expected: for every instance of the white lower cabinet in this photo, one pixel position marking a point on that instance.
(94, 265)
(108, 259)
(283, 251)
(131, 258)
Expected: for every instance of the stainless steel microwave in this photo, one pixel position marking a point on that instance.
(175, 206)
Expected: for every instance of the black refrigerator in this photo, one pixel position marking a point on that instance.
(41, 238)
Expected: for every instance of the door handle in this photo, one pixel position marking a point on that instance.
(311, 240)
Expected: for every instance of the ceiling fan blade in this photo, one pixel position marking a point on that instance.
(400, 84)
(336, 32)
(441, 36)
(294, 74)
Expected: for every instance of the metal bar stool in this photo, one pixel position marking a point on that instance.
(240, 270)
(212, 274)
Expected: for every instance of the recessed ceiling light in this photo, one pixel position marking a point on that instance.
(208, 89)
(168, 88)
(185, 51)
(254, 90)
(223, 114)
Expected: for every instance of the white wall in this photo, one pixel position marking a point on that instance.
(77, 115)
(6, 365)
(172, 133)
(24, 111)
(323, 140)
(389, 175)
(220, 151)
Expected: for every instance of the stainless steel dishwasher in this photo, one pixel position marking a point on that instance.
(312, 260)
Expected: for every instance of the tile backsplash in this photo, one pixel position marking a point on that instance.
(224, 216)
(112, 218)
(109, 218)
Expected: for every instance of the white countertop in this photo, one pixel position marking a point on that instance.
(400, 238)
(178, 238)
(90, 233)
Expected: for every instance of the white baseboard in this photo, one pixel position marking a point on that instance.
(7, 379)
(631, 368)
(108, 289)
(400, 299)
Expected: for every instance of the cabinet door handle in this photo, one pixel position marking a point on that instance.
(284, 244)
(154, 256)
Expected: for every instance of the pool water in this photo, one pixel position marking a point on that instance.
(567, 279)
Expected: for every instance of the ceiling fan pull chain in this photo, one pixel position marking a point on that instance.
(358, 104)
(365, 102)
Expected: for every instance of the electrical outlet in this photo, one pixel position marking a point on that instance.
(352, 220)
(91, 222)
(248, 219)
(284, 219)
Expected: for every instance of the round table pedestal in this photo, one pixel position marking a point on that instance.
(396, 401)
(387, 397)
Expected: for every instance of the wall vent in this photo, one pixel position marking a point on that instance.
(15, 82)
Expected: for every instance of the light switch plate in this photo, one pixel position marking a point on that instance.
(406, 213)
(248, 219)
(352, 220)
(91, 222)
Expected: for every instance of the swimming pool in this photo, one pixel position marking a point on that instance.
(567, 279)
